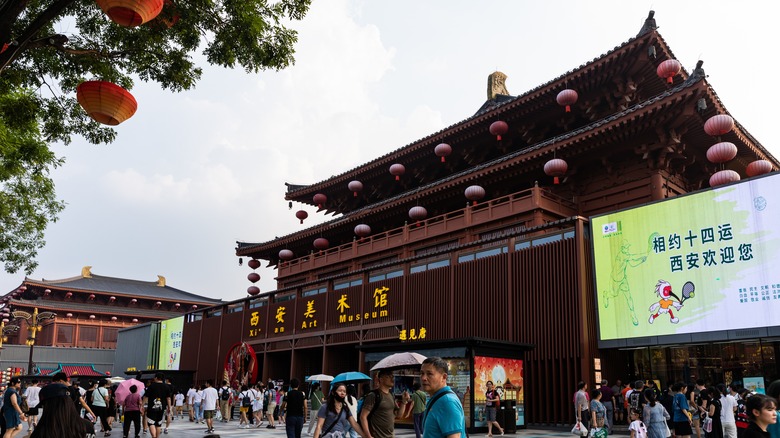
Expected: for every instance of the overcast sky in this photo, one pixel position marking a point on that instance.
(192, 173)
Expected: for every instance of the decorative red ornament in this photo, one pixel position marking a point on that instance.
(254, 277)
(254, 263)
(397, 170)
(723, 177)
(498, 129)
(114, 318)
(301, 214)
(321, 243)
(320, 199)
(758, 167)
(23, 288)
(91, 297)
(135, 319)
(177, 305)
(442, 150)
(47, 291)
(133, 301)
(130, 13)
(718, 125)
(556, 168)
(669, 69)
(355, 187)
(6, 320)
(91, 316)
(194, 306)
(69, 315)
(105, 102)
(722, 152)
(362, 230)
(253, 290)
(474, 193)
(418, 213)
(286, 254)
(111, 298)
(567, 98)
(158, 303)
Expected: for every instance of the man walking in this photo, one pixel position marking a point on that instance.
(377, 416)
(444, 416)
(156, 400)
(418, 398)
(191, 402)
(296, 410)
(209, 405)
(225, 395)
(608, 400)
(31, 395)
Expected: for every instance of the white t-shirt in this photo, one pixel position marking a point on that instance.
(32, 396)
(190, 395)
(257, 400)
(198, 397)
(210, 397)
(728, 403)
(179, 399)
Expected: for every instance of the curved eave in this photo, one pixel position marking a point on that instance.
(59, 285)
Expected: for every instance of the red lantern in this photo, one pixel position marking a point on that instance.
(194, 306)
(320, 199)
(442, 150)
(69, 315)
(669, 69)
(286, 254)
(23, 288)
(158, 303)
(301, 214)
(91, 297)
(719, 125)
(133, 301)
(723, 177)
(355, 187)
(114, 318)
(253, 290)
(105, 102)
(418, 213)
(397, 170)
(567, 98)
(130, 13)
(254, 263)
(758, 167)
(47, 291)
(362, 230)
(498, 129)
(321, 243)
(135, 319)
(254, 277)
(91, 316)
(474, 193)
(6, 320)
(177, 305)
(556, 168)
(722, 152)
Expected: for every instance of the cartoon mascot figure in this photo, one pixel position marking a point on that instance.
(664, 291)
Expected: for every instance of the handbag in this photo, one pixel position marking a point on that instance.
(599, 432)
(579, 429)
(668, 432)
(707, 426)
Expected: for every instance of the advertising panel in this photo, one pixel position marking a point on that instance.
(691, 264)
(170, 343)
(507, 378)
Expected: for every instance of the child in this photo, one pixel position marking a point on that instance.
(637, 428)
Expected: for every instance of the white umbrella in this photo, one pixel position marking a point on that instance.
(400, 360)
(320, 378)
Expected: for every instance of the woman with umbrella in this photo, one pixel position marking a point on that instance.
(334, 416)
(132, 412)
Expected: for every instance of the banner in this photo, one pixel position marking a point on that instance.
(696, 263)
(507, 378)
(170, 343)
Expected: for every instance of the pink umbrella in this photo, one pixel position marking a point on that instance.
(123, 390)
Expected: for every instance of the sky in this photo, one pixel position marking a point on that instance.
(193, 172)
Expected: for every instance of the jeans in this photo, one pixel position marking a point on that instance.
(610, 417)
(418, 423)
(198, 411)
(293, 427)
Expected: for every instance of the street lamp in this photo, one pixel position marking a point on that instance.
(6, 330)
(33, 326)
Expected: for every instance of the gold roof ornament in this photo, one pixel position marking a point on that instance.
(496, 85)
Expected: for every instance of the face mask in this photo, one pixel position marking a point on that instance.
(338, 398)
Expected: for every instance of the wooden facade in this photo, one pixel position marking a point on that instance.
(514, 267)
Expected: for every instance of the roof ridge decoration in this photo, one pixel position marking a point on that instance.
(649, 25)
(86, 272)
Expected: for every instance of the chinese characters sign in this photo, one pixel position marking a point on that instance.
(375, 308)
(690, 264)
(170, 343)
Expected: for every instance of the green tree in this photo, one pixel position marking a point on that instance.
(48, 47)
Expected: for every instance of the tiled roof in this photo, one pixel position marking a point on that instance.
(63, 306)
(72, 370)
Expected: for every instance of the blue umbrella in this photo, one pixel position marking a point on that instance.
(351, 376)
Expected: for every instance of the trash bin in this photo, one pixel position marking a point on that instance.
(508, 413)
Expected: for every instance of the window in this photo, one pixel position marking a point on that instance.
(315, 291)
(258, 302)
(110, 334)
(88, 334)
(192, 317)
(214, 312)
(550, 238)
(281, 298)
(65, 334)
(429, 265)
(348, 283)
(385, 275)
(482, 254)
(235, 308)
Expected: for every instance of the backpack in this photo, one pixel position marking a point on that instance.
(377, 400)
(224, 394)
(246, 401)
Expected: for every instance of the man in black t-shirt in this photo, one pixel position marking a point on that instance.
(296, 410)
(157, 398)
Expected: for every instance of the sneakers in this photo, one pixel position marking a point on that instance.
(165, 430)
(502, 432)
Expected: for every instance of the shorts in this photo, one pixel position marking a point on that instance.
(208, 415)
(490, 414)
(243, 409)
(682, 428)
(154, 418)
(32, 411)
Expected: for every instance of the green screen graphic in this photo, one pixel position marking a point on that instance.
(170, 343)
(691, 264)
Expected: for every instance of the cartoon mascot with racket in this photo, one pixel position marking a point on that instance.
(667, 300)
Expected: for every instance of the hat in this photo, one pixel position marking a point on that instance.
(53, 390)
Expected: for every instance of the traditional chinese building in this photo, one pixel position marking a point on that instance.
(482, 230)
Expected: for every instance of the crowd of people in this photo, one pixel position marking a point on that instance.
(678, 411)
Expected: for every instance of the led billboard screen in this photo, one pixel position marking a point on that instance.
(692, 264)
(170, 343)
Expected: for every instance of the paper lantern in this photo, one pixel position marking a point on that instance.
(301, 214)
(321, 243)
(418, 213)
(105, 102)
(6, 320)
(253, 290)
(112, 299)
(135, 319)
(134, 301)
(91, 316)
(47, 292)
(362, 230)
(91, 297)
(556, 168)
(397, 170)
(69, 315)
(320, 199)
(567, 98)
(114, 318)
(130, 13)
(474, 193)
(758, 167)
(722, 152)
(158, 303)
(254, 263)
(254, 277)
(669, 69)
(286, 254)
(177, 305)
(355, 187)
(194, 306)
(718, 125)
(442, 150)
(498, 129)
(723, 177)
